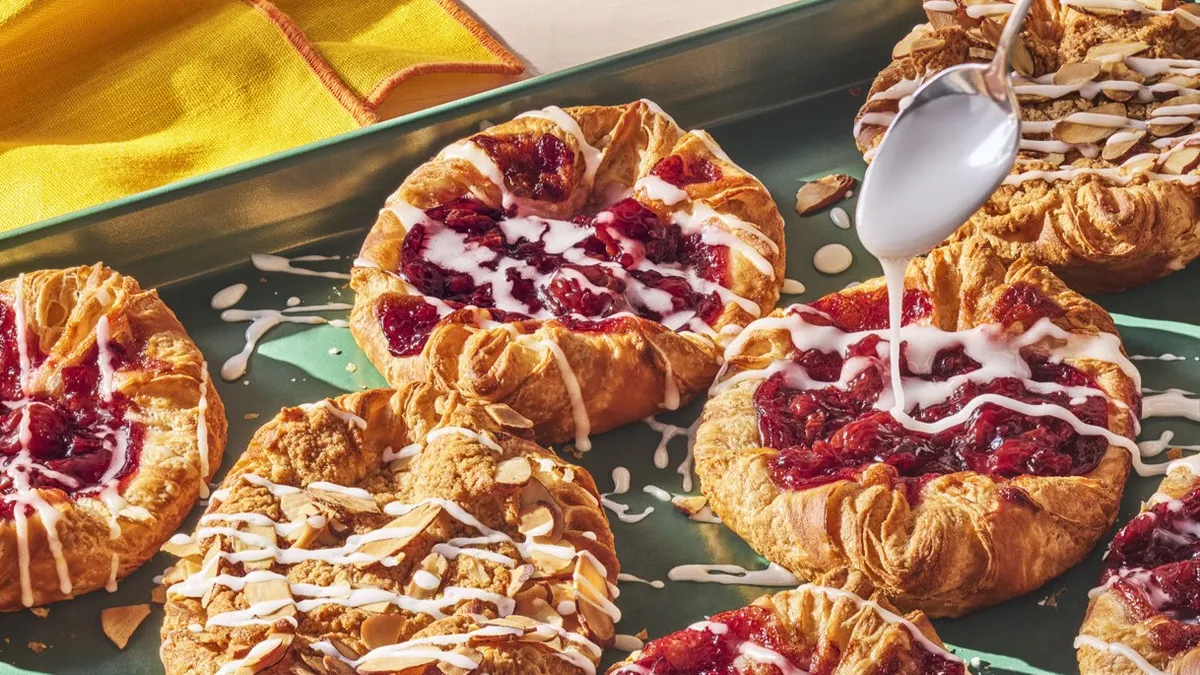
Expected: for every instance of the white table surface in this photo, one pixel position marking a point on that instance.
(555, 34)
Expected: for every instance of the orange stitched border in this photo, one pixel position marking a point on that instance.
(362, 110)
(341, 91)
(510, 64)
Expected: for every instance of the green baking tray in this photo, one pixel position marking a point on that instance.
(778, 90)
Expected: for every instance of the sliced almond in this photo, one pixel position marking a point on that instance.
(189, 549)
(211, 567)
(1192, 20)
(344, 649)
(591, 587)
(462, 650)
(1114, 151)
(119, 623)
(298, 506)
(381, 629)
(981, 53)
(548, 565)
(1158, 5)
(1166, 129)
(822, 192)
(271, 590)
(538, 521)
(427, 578)
(1115, 51)
(506, 416)
(518, 578)
(398, 664)
(336, 666)
(308, 535)
(1077, 133)
(904, 46)
(1181, 161)
(1138, 164)
(279, 643)
(346, 502)
(1076, 73)
(1180, 80)
(158, 595)
(1022, 59)
(514, 471)
(414, 522)
(473, 569)
(539, 610)
(688, 505)
(264, 532)
(927, 43)
(1055, 158)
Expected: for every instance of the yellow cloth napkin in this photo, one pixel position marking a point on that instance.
(103, 99)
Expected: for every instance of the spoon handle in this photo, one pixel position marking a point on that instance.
(998, 71)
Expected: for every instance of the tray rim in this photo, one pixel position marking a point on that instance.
(199, 183)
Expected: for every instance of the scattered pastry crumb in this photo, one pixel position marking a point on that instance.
(37, 647)
(40, 612)
(246, 383)
(119, 623)
(293, 301)
(856, 91)
(1051, 600)
(262, 280)
(817, 194)
(641, 634)
(334, 351)
(351, 368)
(570, 449)
(250, 416)
(159, 595)
(1174, 453)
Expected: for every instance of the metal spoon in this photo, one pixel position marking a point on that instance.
(944, 154)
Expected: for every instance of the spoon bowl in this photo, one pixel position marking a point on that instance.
(943, 156)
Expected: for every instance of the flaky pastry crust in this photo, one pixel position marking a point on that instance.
(839, 625)
(432, 527)
(968, 540)
(1111, 621)
(516, 362)
(1136, 219)
(105, 536)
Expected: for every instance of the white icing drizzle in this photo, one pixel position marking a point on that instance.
(1043, 86)
(343, 415)
(1118, 649)
(263, 320)
(657, 492)
(998, 353)
(266, 262)
(656, 188)
(483, 438)
(228, 297)
(773, 575)
(661, 454)
(21, 331)
(255, 653)
(620, 476)
(202, 430)
(623, 576)
(1172, 403)
(579, 413)
(792, 287)
(591, 156)
(840, 218)
(104, 358)
(113, 568)
(307, 597)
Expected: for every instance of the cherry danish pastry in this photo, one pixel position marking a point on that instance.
(110, 430)
(582, 266)
(1001, 467)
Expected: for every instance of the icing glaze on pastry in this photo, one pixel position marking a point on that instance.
(837, 623)
(466, 548)
(80, 424)
(528, 262)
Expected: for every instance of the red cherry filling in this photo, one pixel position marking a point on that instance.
(681, 172)
(623, 259)
(70, 439)
(1022, 302)
(1154, 565)
(536, 166)
(825, 434)
(713, 650)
